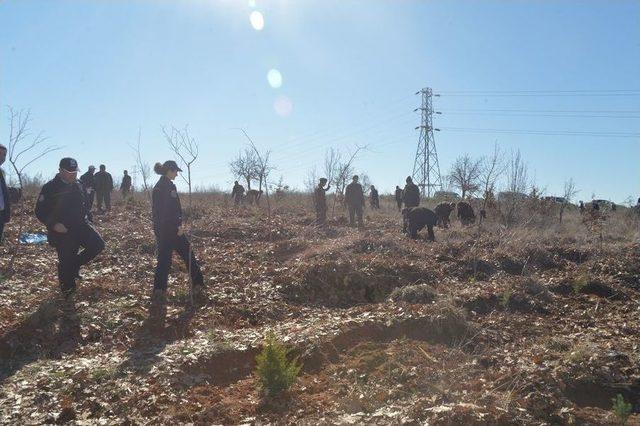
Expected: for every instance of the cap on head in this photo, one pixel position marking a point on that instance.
(2, 147)
(323, 180)
(92, 167)
(409, 179)
(69, 164)
(171, 165)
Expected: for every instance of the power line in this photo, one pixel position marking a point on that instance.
(518, 114)
(544, 132)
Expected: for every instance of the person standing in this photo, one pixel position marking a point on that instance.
(320, 202)
(88, 183)
(62, 208)
(354, 198)
(399, 197)
(375, 198)
(237, 193)
(5, 206)
(411, 194)
(170, 237)
(104, 186)
(125, 185)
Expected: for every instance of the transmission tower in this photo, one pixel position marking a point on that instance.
(426, 170)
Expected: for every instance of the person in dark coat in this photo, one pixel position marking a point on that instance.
(443, 211)
(399, 197)
(320, 201)
(374, 198)
(5, 205)
(581, 207)
(88, 183)
(62, 208)
(237, 193)
(465, 213)
(170, 237)
(125, 185)
(411, 194)
(104, 186)
(354, 199)
(416, 218)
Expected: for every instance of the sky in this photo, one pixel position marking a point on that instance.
(558, 81)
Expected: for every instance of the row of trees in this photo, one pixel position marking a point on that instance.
(473, 177)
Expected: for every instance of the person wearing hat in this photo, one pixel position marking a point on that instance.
(62, 208)
(125, 185)
(5, 205)
(411, 194)
(320, 202)
(88, 183)
(104, 186)
(167, 227)
(354, 198)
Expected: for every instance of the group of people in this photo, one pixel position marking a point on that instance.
(63, 206)
(354, 199)
(100, 185)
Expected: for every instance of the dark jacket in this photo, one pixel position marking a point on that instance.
(166, 209)
(64, 203)
(126, 182)
(238, 191)
(103, 181)
(398, 194)
(411, 195)
(353, 195)
(5, 195)
(88, 180)
(320, 199)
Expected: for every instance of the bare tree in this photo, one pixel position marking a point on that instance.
(491, 168)
(568, 194)
(25, 147)
(465, 174)
(517, 185)
(141, 166)
(332, 160)
(263, 169)
(245, 166)
(185, 147)
(311, 180)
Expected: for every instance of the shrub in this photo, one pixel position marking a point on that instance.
(621, 409)
(274, 371)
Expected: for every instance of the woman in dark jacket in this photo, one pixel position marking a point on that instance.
(167, 226)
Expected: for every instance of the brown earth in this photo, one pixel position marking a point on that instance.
(536, 324)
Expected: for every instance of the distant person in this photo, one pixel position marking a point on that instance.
(62, 208)
(237, 193)
(125, 185)
(411, 194)
(581, 207)
(595, 206)
(104, 186)
(320, 201)
(374, 198)
(613, 207)
(170, 237)
(399, 197)
(88, 183)
(354, 198)
(5, 205)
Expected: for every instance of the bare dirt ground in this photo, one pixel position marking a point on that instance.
(488, 325)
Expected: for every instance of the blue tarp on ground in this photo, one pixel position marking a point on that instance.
(37, 238)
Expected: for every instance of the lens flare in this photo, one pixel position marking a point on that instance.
(252, 4)
(274, 77)
(257, 20)
(283, 106)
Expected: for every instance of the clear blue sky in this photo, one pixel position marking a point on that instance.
(93, 72)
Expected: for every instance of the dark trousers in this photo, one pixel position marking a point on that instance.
(321, 216)
(69, 259)
(355, 212)
(399, 202)
(91, 196)
(166, 246)
(1, 226)
(125, 192)
(104, 197)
